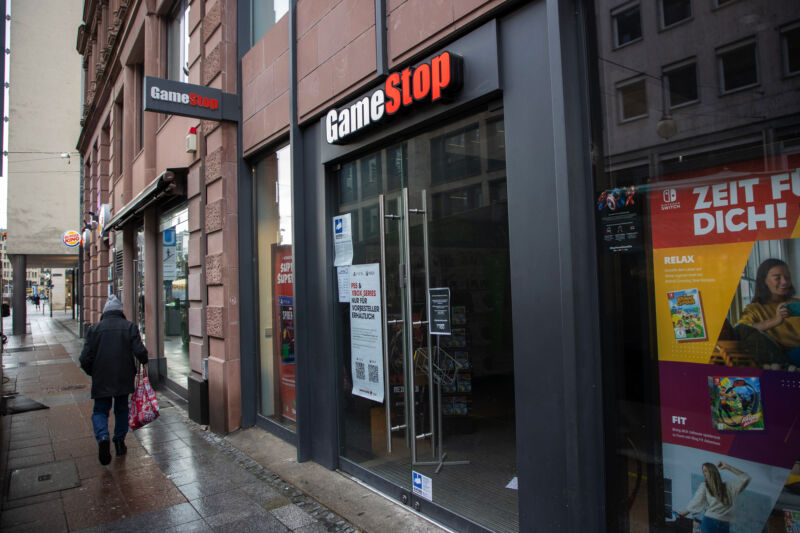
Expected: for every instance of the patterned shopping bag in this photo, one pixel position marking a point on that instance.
(143, 405)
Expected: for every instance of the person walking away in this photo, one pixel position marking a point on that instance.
(36, 301)
(109, 356)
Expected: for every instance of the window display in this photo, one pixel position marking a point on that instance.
(273, 189)
(174, 293)
(698, 265)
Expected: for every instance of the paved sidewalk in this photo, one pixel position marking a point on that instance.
(175, 477)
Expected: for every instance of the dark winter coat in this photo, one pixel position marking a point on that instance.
(108, 355)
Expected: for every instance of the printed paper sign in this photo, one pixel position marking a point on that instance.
(342, 240)
(422, 485)
(343, 278)
(366, 331)
(439, 310)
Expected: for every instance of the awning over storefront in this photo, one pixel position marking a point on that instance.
(167, 183)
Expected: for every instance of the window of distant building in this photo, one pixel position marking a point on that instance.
(738, 66)
(178, 42)
(139, 95)
(682, 83)
(627, 23)
(263, 15)
(632, 99)
(790, 45)
(675, 11)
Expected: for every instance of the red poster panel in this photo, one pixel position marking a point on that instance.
(283, 326)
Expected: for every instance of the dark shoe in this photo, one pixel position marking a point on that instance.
(104, 452)
(119, 447)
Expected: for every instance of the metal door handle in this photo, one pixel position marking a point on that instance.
(386, 392)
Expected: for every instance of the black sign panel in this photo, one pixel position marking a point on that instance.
(440, 311)
(188, 100)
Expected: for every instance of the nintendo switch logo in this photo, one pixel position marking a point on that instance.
(670, 200)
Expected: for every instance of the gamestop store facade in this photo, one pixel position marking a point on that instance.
(506, 256)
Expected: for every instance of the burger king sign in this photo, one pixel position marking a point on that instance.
(71, 238)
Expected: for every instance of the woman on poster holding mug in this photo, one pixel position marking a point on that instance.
(716, 497)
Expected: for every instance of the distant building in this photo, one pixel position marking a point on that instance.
(44, 113)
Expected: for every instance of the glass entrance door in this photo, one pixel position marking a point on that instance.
(429, 216)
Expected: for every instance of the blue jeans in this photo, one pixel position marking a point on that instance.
(711, 525)
(102, 406)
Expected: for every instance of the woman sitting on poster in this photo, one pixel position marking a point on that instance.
(716, 497)
(774, 311)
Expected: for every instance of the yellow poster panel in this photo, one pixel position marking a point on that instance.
(694, 287)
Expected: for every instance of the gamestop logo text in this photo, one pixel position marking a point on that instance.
(178, 97)
(425, 82)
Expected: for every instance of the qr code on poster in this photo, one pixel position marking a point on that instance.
(373, 373)
(360, 374)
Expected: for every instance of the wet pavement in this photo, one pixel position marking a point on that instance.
(176, 475)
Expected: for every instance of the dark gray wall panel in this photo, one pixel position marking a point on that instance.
(552, 257)
(315, 341)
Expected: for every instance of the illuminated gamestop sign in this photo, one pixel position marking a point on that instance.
(428, 82)
(188, 100)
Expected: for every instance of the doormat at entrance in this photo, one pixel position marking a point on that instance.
(14, 404)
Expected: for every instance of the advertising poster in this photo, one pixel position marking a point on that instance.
(620, 220)
(366, 333)
(283, 326)
(726, 252)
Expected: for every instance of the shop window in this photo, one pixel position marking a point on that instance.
(456, 201)
(348, 192)
(139, 96)
(139, 272)
(687, 363)
(630, 175)
(682, 83)
(370, 176)
(178, 42)
(790, 43)
(738, 67)
(396, 167)
(273, 189)
(498, 191)
(632, 99)
(456, 155)
(711, 157)
(371, 224)
(675, 11)
(496, 144)
(627, 24)
(175, 293)
(263, 15)
(118, 273)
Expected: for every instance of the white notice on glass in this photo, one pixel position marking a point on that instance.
(422, 485)
(343, 275)
(366, 333)
(342, 240)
